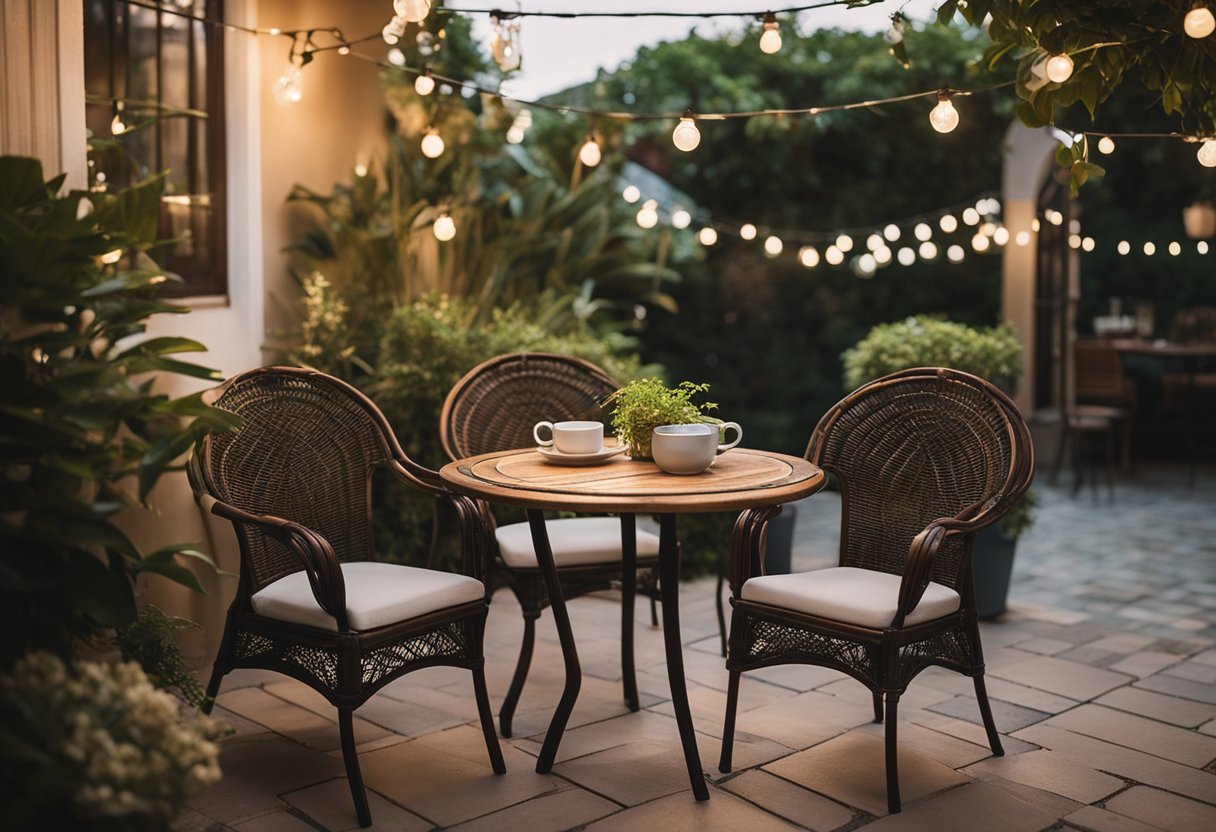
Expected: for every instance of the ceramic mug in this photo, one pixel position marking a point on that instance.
(571, 437)
(690, 449)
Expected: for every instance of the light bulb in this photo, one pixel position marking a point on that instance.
(648, 215)
(444, 228)
(396, 57)
(808, 256)
(412, 11)
(393, 30)
(922, 231)
(1088, 244)
(928, 250)
(1000, 236)
(117, 128)
(895, 35)
(882, 255)
(515, 134)
(866, 265)
(424, 84)
(906, 256)
(979, 242)
(943, 117)
(844, 242)
(891, 232)
(1150, 249)
(111, 257)
(1207, 153)
(747, 231)
(971, 216)
(1202, 246)
(686, 136)
(955, 254)
(631, 194)
(680, 218)
(1022, 238)
(1106, 145)
(707, 236)
(770, 40)
(1175, 248)
(874, 242)
(432, 144)
(1074, 241)
(1035, 225)
(287, 89)
(987, 228)
(948, 224)
(1199, 22)
(773, 246)
(834, 256)
(1059, 68)
(589, 154)
(1124, 247)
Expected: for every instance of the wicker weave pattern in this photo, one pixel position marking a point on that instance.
(306, 453)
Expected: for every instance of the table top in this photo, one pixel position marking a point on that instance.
(1169, 349)
(740, 478)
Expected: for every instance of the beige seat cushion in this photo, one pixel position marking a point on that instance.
(844, 593)
(377, 594)
(576, 541)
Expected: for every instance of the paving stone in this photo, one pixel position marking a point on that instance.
(1043, 800)
(608, 733)
(302, 724)
(1174, 686)
(963, 810)
(799, 677)
(1145, 663)
(1076, 681)
(1044, 646)
(1183, 712)
(972, 732)
(680, 813)
(1049, 771)
(794, 803)
(851, 769)
(945, 748)
(1123, 643)
(1169, 811)
(275, 822)
(1000, 689)
(1136, 732)
(1008, 718)
(1093, 819)
(329, 805)
(1194, 671)
(256, 770)
(554, 812)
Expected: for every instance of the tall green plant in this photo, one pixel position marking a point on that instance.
(83, 436)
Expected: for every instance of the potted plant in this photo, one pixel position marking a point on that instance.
(644, 404)
(992, 353)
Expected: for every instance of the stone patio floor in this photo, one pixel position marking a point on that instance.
(1102, 676)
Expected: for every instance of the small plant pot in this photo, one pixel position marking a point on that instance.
(992, 570)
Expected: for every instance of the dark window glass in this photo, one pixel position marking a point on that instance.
(161, 75)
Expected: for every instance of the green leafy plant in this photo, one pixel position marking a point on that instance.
(1020, 516)
(646, 403)
(80, 423)
(992, 353)
(152, 641)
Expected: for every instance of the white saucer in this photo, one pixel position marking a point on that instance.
(558, 458)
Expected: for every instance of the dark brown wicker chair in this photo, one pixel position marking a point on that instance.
(494, 408)
(295, 480)
(924, 459)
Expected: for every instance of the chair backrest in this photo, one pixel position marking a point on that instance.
(305, 452)
(496, 404)
(918, 446)
(1099, 371)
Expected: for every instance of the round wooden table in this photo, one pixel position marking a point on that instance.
(739, 479)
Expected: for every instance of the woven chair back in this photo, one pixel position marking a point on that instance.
(918, 446)
(305, 452)
(496, 404)
(1099, 371)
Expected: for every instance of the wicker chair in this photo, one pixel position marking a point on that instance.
(924, 459)
(494, 408)
(295, 480)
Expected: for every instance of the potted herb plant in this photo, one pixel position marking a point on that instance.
(644, 404)
(992, 353)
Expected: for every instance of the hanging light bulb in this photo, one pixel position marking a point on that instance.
(770, 40)
(424, 84)
(1074, 241)
(955, 254)
(943, 117)
(287, 88)
(1022, 238)
(1124, 247)
(396, 57)
(504, 44)
(708, 236)
(922, 231)
(1088, 244)
(432, 144)
(393, 30)
(906, 256)
(747, 231)
(844, 242)
(865, 265)
(883, 255)
(1150, 248)
(928, 250)
(1202, 246)
(648, 215)
(1199, 22)
(589, 154)
(1059, 68)
(631, 194)
(1207, 153)
(680, 218)
(833, 255)
(895, 35)
(444, 228)
(971, 216)
(874, 241)
(1001, 235)
(1175, 248)
(412, 11)
(117, 127)
(773, 246)
(686, 136)
(948, 224)
(891, 232)
(1106, 145)
(808, 256)
(980, 242)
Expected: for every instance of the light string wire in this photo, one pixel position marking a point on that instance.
(503, 14)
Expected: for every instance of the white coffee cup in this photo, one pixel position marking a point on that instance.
(690, 449)
(571, 437)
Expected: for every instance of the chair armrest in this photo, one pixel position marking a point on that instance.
(314, 552)
(748, 542)
(475, 529)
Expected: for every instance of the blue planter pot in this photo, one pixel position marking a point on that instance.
(992, 570)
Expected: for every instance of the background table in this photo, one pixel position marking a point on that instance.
(739, 479)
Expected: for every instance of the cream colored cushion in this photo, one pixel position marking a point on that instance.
(377, 594)
(575, 541)
(844, 593)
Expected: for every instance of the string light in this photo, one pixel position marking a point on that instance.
(117, 127)
(631, 194)
(1199, 22)
(1150, 248)
(1059, 68)
(1074, 240)
(1088, 244)
(891, 232)
(686, 136)
(432, 144)
(808, 256)
(895, 35)
(1207, 152)
(1035, 225)
(1000, 236)
(906, 256)
(1202, 246)
(1124, 247)
(288, 88)
(424, 84)
(396, 57)
(866, 265)
(770, 39)
(589, 154)
(747, 231)
(844, 242)
(955, 254)
(943, 117)
(708, 236)
(971, 216)
(834, 256)
(979, 242)
(680, 219)
(393, 30)
(444, 228)
(1022, 238)
(874, 242)
(1175, 248)
(1106, 145)
(773, 246)
(412, 11)
(882, 255)
(948, 224)
(928, 250)
(922, 231)
(504, 43)
(648, 215)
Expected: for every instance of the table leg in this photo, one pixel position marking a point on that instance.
(557, 605)
(1192, 365)
(669, 586)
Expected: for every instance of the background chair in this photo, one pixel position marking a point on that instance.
(494, 408)
(924, 459)
(295, 480)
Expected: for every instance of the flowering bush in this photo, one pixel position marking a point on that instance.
(96, 745)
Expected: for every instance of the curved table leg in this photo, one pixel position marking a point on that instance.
(557, 605)
(669, 586)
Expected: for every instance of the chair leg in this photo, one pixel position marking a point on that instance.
(1061, 448)
(728, 728)
(981, 696)
(487, 720)
(878, 707)
(893, 804)
(629, 592)
(721, 608)
(346, 728)
(507, 712)
(654, 612)
(213, 689)
(1110, 462)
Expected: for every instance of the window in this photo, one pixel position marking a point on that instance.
(154, 95)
